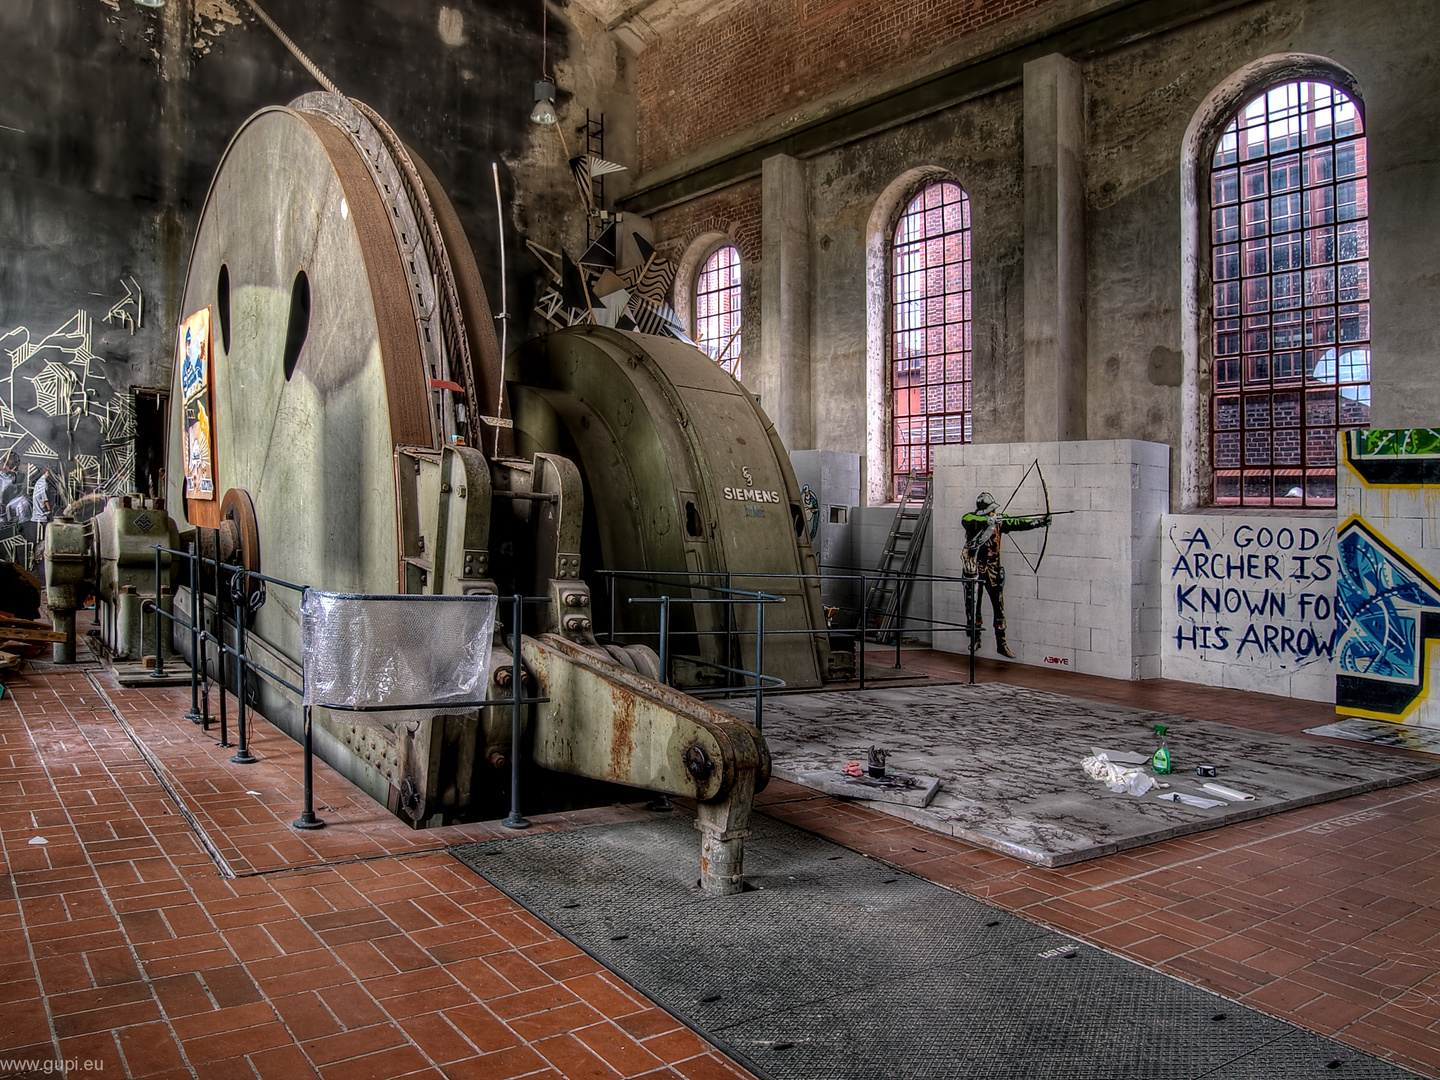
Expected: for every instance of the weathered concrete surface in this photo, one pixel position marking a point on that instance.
(780, 375)
(1055, 346)
(114, 117)
(1008, 759)
(978, 144)
(1147, 360)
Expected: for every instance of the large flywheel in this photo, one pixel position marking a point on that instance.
(347, 318)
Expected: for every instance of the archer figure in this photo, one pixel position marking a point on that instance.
(980, 562)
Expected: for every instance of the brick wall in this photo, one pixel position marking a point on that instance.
(735, 211)
(700, 83)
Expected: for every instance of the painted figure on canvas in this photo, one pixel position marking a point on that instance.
(980, 562)
(195, 390)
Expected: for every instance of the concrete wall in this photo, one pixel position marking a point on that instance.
(1094, 606)
(870, 529)
(1148, 73)
(114, 117)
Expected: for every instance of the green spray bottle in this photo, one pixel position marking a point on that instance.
(1160, 761)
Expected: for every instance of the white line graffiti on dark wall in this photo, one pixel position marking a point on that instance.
(91, 424)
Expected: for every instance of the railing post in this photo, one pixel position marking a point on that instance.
(972, 611)
(665, 640)
(220, 653)
(159, 669)
(307, 818)
(759, 664)
(899, 627)
(516, 820)
(194, 714)
(204, 645)
(864, 624)
(243, 755)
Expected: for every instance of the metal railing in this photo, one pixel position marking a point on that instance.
(245, 600)
(861, 631)
(733, 596)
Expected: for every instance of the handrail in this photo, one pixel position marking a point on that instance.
(199, 672)
(688, 579)
(760, 600)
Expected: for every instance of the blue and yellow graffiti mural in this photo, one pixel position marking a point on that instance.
(1386, 608)
(1387, 600)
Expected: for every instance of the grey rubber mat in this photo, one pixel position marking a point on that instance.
(836, 966)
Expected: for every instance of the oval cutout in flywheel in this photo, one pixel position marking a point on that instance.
(299, 327)
(222, 306)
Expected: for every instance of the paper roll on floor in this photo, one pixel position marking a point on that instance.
(1228, 793)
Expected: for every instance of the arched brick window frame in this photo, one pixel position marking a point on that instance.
(1275, 363)
(700, 250)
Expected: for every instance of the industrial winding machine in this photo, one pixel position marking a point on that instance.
(367, 436)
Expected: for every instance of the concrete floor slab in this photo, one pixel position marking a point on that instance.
(1008, 759)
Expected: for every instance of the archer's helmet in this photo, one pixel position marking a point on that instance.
(985, 501)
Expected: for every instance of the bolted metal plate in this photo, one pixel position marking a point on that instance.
(835, 965)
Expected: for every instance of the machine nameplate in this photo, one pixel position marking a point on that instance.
(751, 495)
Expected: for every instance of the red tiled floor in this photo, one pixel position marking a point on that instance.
(305, 964)
(364, 950)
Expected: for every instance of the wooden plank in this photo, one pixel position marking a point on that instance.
(25, 633)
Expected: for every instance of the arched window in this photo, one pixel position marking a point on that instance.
(717, 308)
(930, 339)
(1291, 316)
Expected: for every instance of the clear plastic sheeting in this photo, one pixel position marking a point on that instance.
(425, 654)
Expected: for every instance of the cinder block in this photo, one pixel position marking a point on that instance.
(1056, 611)
(1074, 590)
(1315, 683)
(1114, 500)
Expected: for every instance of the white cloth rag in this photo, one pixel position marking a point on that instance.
(1117, 778)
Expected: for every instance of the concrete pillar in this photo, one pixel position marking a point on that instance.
(1055, 345)
(782, 377)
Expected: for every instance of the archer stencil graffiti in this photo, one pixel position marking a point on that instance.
(1084, 594)
(1387, 605)
(60, 410)
(980, 563)
(1250, 602)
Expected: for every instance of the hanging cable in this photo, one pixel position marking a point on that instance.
(319, 75)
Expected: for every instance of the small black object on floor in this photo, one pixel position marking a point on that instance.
(836, 965)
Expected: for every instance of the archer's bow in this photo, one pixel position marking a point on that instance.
(1045, 492)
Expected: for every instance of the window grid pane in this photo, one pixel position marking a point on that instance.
(717, 309)
(1291, 305)
(930, 329)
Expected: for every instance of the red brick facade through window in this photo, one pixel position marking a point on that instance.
(717, 309)
(1291, 316)
(930, 329)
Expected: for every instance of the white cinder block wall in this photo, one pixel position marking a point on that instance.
(1248, 602)
(1095, 606)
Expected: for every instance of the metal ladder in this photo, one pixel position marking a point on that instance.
(885, 601)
